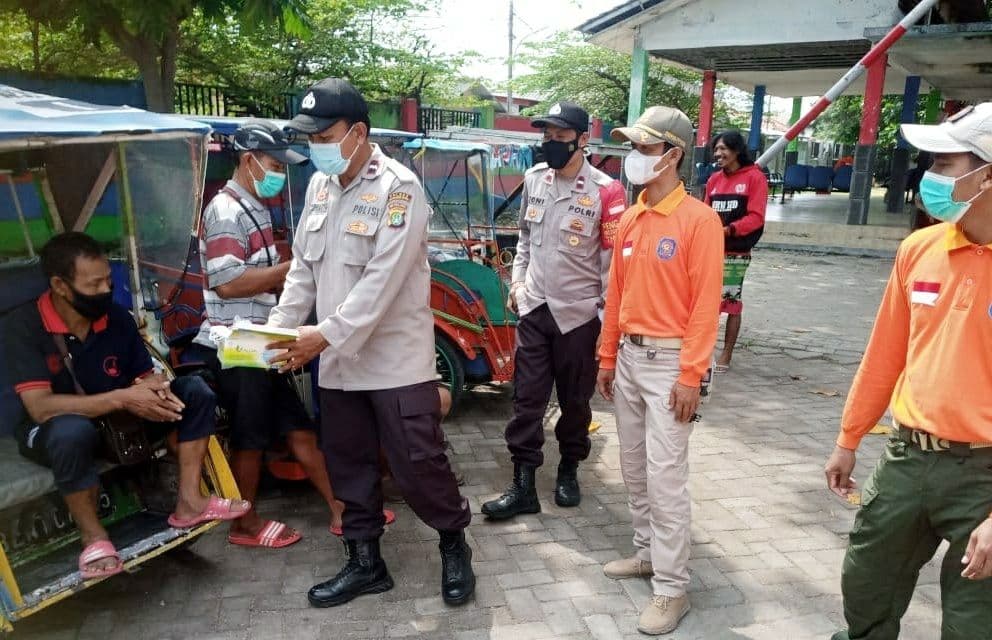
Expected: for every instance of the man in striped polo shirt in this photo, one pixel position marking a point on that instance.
(243, 271)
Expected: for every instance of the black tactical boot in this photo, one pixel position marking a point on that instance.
(567, 492)
(365, 572)
(519, 497)
(457, 577)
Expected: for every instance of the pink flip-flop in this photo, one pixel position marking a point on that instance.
(99, 550)
(216, 509)
(390, 519)
(267, 536)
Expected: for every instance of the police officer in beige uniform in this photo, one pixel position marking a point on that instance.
(360, 256)
(569, 212)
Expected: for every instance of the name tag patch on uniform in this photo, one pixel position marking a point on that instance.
(925, 293)
(628, 248)
(577, 225)
(396, 205)
(357, 226)
(667, 248)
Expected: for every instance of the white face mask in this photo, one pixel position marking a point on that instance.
(639, 168)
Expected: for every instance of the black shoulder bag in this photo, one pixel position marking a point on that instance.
(125, 440)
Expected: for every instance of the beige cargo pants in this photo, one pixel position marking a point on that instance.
(654, 460)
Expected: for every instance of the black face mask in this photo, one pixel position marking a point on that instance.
(91, 307)
(557, 154)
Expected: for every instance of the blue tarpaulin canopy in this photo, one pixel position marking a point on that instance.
(447, 145)
(36, 119)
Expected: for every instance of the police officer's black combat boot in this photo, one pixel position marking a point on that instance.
(365, 572)
(457, 577)
(567, 493)
(519, 497)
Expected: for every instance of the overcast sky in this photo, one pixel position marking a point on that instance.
(464, 25)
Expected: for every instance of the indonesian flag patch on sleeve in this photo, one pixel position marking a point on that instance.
(925, 293)
(628, 248)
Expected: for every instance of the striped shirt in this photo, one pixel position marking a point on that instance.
(230, 243)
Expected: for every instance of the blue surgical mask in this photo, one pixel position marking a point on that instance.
(937, 193)
(327, 157)
(271, 183)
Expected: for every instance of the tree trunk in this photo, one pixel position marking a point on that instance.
(36, 45)
(156, 60)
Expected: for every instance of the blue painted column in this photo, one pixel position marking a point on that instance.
(757, 114)
(901, 155)
(910, 101)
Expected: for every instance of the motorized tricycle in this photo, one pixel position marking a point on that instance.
(133, 180)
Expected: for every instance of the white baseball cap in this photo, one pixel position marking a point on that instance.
(967, 131)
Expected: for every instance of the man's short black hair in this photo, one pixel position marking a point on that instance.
(58, 256)
(366, 120)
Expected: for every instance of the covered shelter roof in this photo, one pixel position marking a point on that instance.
(794, 48)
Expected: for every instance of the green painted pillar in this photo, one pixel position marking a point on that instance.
(638, 81)
(797, 112)
(933, 104)
(487, 116)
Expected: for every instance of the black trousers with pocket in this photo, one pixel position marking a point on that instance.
(405, 423)
(545, 358)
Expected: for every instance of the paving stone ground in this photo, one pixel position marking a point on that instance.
(768, 538)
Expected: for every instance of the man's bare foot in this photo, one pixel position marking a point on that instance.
(104, 564)
(187, 509)
(337, 511)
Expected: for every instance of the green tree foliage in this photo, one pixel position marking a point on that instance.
(566, 68)
(363, 40)
(841, 122)
(30, 45)
(149, 32)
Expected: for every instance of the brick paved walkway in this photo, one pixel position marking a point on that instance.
(767, 536)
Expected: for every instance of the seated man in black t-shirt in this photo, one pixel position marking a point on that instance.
(72, 338)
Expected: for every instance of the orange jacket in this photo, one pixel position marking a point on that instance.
(666, 279)
(928, 356)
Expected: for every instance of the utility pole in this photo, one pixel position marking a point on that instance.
(509, 64)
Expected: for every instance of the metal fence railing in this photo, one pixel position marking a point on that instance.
(212, 100)
(434, 118)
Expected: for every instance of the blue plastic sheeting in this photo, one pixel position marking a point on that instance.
(796, 177)
(821, 178)
(842, 179)
(447, 145)
(28, 115)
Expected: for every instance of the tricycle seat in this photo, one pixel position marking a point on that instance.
(20, 479)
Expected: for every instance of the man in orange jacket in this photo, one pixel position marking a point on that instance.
(928, 361)
(659, 330)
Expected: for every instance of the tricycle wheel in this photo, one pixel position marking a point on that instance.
(450, 367)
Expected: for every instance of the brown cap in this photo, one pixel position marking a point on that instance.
(658, 124)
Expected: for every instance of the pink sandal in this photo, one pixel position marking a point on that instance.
(268, 536)
(216, 509)
(99, 550)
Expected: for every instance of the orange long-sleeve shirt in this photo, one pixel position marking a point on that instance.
(928, 356)
(666, 279)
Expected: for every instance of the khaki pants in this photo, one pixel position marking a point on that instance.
(654, 459)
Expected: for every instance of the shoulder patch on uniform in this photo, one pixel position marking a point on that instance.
(397, 204)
